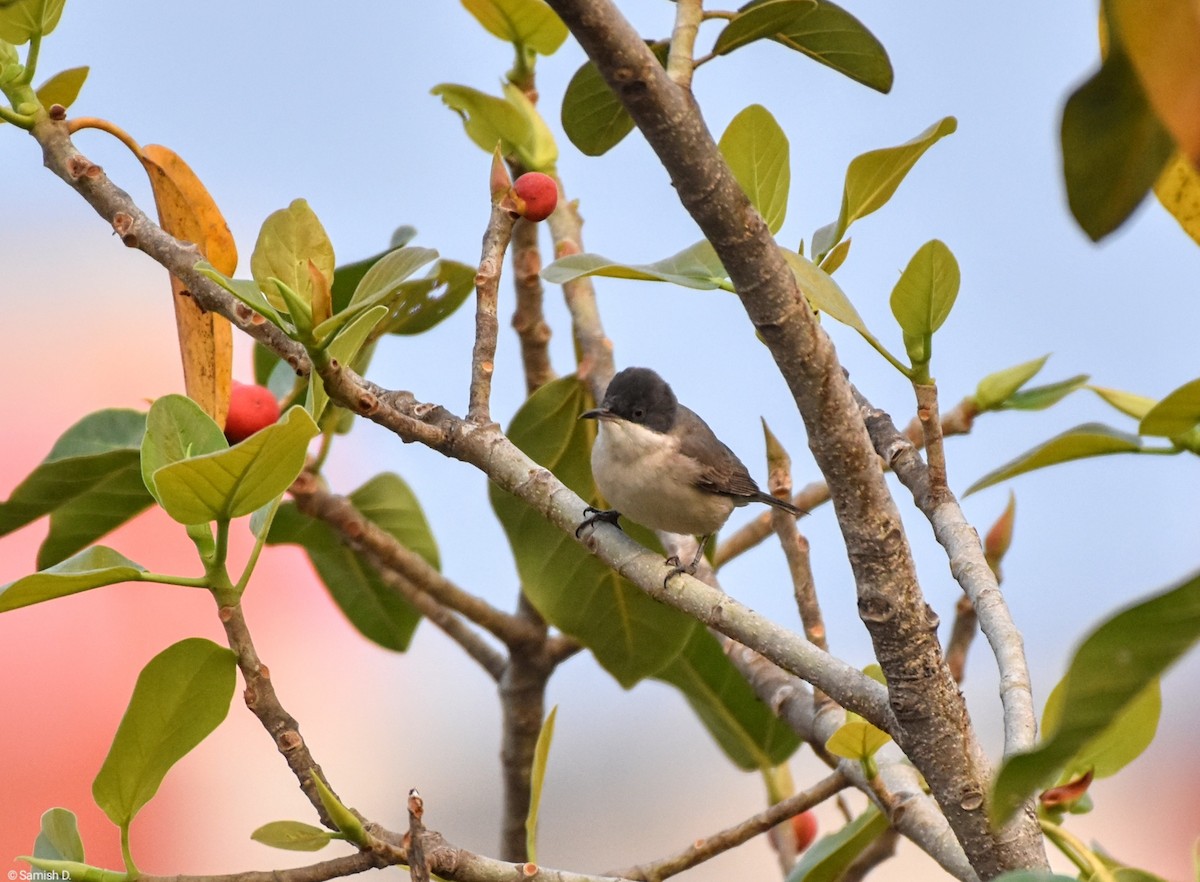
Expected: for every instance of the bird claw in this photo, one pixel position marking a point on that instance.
(592, 515)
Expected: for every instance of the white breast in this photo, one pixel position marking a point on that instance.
(642, 475)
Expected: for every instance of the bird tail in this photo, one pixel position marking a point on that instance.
(782, 504)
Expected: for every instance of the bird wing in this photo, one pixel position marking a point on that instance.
(724, 472)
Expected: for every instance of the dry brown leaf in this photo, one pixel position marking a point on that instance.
(188, 212)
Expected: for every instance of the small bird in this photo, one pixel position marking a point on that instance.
(660, 465)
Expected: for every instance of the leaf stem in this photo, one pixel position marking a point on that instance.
(1076, 852)
(31, 60)
(131, 869)
(17, 119)
(181, 581)
(260, 540)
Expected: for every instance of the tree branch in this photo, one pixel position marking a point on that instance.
(320, 872)
(528, 319)
(487, 325)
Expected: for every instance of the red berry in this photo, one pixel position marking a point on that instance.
(250, 408)
(804, 829)
(537, 194)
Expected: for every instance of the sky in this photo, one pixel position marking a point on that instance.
(271, 101)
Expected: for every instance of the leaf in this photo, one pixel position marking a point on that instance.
(189, 213)
(232, 483)
(80, 521)
(292, 835)
(835, 257)
(1113, 146)
(1177, 414)
(823, 31)
(489, 120)
(93, 568)
(181, 696)
(246, 291)
(856, 740)
(746, 730)
(1089, 439)
(537, 775)
(756, 149)
(378, 612)
(62, 88)
(823, 292)
(344, 819)
(176, 428)
(872, 179)
(427, 302)
(1112, 668)
(593, 118)
(288, 240)
(385, 275)
(631, 635)
(996, 388)
(1041, 397)
(21, 19)
(695, 267)
(539, 152)
(924, 296)
(1126, 737)
(1178, 189)
(1136, 406)
(829, 857)
(1161, 39)
(344, 347)
(83, 458)
(59, 837)
(530, 23)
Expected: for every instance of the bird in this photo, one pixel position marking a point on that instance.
(660, 465)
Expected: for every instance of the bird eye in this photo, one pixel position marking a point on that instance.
(639, 413)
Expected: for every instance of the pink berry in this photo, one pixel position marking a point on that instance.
(537, 194)
(250, 408)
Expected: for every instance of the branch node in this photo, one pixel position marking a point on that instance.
(289, 740)
(57, 112)
(530, 869)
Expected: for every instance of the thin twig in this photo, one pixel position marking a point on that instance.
(360, 533)
(528, 319)
(962, 634)
(487, 326)
(688, 15)
(731, 837)
(931, 430)
(320, 872)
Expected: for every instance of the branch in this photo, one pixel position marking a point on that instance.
(934, 726)
(320, 872)
(417, 866)
(360, 533)
(931, 431)
(487, 326)
(528, 319)
(731, 837)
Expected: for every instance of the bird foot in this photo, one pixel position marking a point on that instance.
(592, 515)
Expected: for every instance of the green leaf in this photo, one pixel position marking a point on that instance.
(539, 152)
(181, 696)
(631, 635)
(288, 240)
(823, 31)
(830, 855)
(59, 837)
(1124, 740)
(344, 819)
(427, 302)
(232, 483)
(75, 871)
(695, 267)
(246, 291)
(751, 736)
(381, 281)
(1041, 397)
(1111, 669)
(593, 118)
(344, 348)
(995, 389)
(85, 455)
(62, 88)
(177, 428)
(1177, 414)
(376, 610)
(537, 775)
(489, 120)
(835, 257)
(756, 149)
(21, 19)
(1113, 145)
(823, 292)
(292, 835)
(872, 179)
(924, 296)
(92, 568)
(80, 521)
(1090, 439)
(856, 740)
(1136, 406)
(529, 23)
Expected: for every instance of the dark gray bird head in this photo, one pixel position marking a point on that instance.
(638, 395)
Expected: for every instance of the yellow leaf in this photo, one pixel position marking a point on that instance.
(188, 212)
(1178, 189)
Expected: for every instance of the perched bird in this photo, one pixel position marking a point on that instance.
(660, 465)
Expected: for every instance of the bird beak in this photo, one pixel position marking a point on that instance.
(599, 413)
